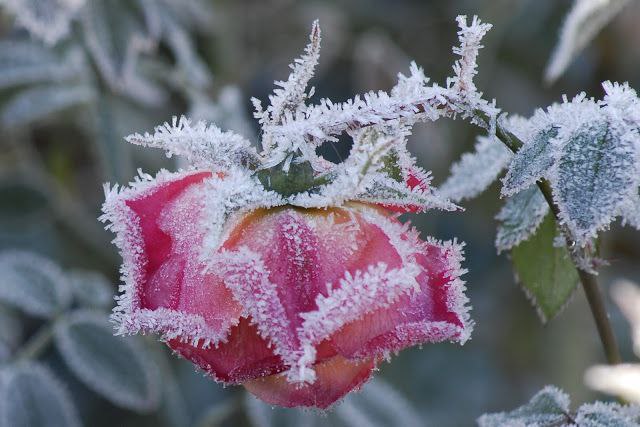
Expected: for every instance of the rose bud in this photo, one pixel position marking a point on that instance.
(279, 270)
(300, 304)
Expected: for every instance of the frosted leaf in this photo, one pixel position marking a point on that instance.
(388, 192)
(201, 144)
(48, 20)
(292, 131)
(33, 284)
(600, 414)
(596, 172)
(534, 159)
(30, 395)
(520, 217)
(39, 102)
(24, 62)
(114, 40)
(531, 162)
(91, 288)
(550, 406)
(117, 368)
(475, 171)
(163, 20)
(581, 25)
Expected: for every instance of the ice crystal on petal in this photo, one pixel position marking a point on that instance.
(248, 278)
(520, 217)
(475, 171)
(238, 192)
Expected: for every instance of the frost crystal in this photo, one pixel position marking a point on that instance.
(204, 146)
(379, 168)
(474, 172)
(597, 164)
(550, 406)
(587, 150)
(520, 218)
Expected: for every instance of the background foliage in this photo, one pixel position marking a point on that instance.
(72, 89)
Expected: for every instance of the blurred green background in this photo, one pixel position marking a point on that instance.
(121, 70)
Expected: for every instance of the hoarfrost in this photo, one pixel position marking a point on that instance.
(536, 156)
(596, 172)
(550, 406)
(204, 146)
(520, 217)
(378, 123)
(475, 171)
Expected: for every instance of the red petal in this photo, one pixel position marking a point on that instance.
(335, 378)
(433, 314)
(243, 357)
(166, 290)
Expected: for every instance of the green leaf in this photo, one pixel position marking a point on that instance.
(33, 284)
(299, 178)
(545, 272)
(118, 368)
(549, 407)
(31, 396)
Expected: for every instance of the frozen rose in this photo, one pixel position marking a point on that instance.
(298, 305)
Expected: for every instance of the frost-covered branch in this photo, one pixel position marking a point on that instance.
(409, 102)
(379, 169)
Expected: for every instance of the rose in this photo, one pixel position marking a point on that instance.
(298, 305)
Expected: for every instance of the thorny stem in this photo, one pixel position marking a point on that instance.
(589, 280)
